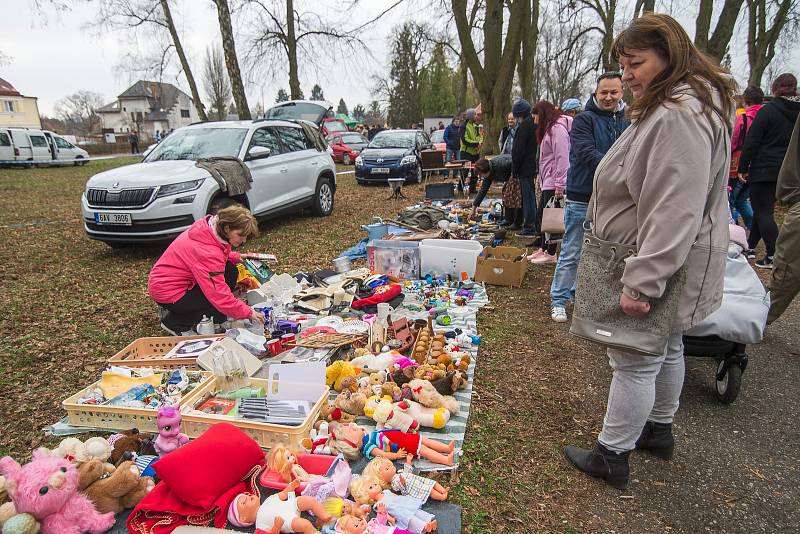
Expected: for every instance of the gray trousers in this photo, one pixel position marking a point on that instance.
(784, 284)
(643, 388)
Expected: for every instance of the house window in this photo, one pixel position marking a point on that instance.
(185, 113)
(8, 106)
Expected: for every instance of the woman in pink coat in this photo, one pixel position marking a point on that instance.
(552, 134)
(197, 273)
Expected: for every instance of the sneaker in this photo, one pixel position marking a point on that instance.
(750, 254)
(545, 259)
(765, 263)
(526, 233)
(559, 314)
(168, 330)
(535, 255)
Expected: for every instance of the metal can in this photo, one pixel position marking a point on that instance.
(288, 339)
(274, 347)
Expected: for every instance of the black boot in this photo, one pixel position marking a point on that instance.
(601, 463)
(657, 438)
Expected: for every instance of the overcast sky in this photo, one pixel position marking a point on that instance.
(58, 57)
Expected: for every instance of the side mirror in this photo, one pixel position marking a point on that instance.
(258, 152)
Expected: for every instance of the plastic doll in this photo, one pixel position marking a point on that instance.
(349, 524)
(243, 509)
(352, 441)
(281, 512)
(284, 462)
(406, 511)
(404, 482)
(169, 437)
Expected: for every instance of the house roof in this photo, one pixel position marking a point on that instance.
(161, 98)
(6, 89)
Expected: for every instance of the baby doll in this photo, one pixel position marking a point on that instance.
(352, 441)
(169, 430)
(404, 482)
(407, 511)
(284, 461)
(279, 513)
(243, 509)
(349, 524)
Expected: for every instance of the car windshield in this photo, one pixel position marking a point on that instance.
(297, 110)
(353, 138)
(335, 126)
(393, 140)
(437, 136)
(198, 143)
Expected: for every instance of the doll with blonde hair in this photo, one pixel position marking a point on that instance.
(404, 482)
(284, 462)
(406, 510)
(352, 441)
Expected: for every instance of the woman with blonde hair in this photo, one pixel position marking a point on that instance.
(196, 275)
(662, 189)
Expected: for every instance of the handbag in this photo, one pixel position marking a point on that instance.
(597, 315)
(553, 217)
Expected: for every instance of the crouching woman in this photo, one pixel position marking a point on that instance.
(197, 273)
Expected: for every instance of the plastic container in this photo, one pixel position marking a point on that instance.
(449, 256)
(376, 231)
(314, 464)
(150, 352)
(400, 259)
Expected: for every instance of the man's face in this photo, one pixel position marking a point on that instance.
(511, 121)
(608, 94)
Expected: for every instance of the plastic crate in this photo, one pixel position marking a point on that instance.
(399, 259)
(118, 417)
(439, 191)
(149, 352)
(449, 256)
(268, 435)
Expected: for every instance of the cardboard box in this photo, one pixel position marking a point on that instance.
(502, 266)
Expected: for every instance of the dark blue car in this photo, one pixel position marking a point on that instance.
(392, 154)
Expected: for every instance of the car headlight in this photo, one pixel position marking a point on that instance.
(408, 160)
(181, 187)
(359, 161)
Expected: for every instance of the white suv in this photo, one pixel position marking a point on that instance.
(162, 196)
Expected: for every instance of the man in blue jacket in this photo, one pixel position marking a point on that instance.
(593, 133)
(452, 141)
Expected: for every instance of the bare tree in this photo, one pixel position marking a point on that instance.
(231, 61)
(217, 85)
(606, 11)
(140, 14)
(643, 6)
(78, 111)
(530, 40)
(494, 75)
(716, 44)
(763, 34)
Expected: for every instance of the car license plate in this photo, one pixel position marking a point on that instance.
(380, 170)
(113, 218)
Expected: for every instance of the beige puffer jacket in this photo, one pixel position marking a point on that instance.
(650, 190)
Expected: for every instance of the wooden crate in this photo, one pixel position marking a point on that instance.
(117, 417)
(149, 352)
(268, 435)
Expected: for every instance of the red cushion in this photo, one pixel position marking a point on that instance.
(205, 468)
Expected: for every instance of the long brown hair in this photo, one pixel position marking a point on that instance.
(685, 64)
(548, 115)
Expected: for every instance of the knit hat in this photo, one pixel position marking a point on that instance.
(571, 104)
(233, 513)
(470, 114)
(521, 108)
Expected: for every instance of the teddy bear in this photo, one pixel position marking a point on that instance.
(338, 371)
(76, 450)
(112, 489)
(404, 376)
(429, 372)
(460, 362)
(391, 389)
(352, 403)
(349, 382)
(389, 415)
(62, 511)
(130, 441)
(330, 412)
(425, 393)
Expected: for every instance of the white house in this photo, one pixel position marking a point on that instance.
(16, 109)
(147, 107)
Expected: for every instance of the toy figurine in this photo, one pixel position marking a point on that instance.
(243, 509)
(284, 462)
(281, 512)
(349, 524)
(404, 482)
(169, 437)
(407, 511)
(352, 441)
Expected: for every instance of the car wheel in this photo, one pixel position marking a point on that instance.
(79, 161)
(346, 159)
(323, 199)
(219, 203)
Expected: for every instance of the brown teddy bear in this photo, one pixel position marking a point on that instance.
(352, 403)
(452, 382)
(329, 413)
(130, 441)
(429, 372)
(392, 390)
(403, 376)
(112, 489)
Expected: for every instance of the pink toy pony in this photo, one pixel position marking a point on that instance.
(47, 489)
(169, 437)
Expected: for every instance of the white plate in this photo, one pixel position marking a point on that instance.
(353, 327)
(331, 320)
(113, 218)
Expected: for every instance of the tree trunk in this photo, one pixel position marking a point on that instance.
(530, 39)
(291, 51)
(644, 6)
(229, 46)
(198, 104)
(716, 44)
(608, 36)
(761, 39)
(702, 24)
(461, 92)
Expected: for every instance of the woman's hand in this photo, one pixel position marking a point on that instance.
(634, 308)
(259, 317)
(559, 192)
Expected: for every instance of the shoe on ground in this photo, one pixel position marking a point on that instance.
(526, 233)
(559, 314)
(765, 263)
(750, 254)
(535, 255)
(544, 259)
(657, 439)
(168, 330)
(600, 462)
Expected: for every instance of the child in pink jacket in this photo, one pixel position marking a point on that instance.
(552, 134)
(197, 273)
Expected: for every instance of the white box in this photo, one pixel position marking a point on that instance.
(449, 256)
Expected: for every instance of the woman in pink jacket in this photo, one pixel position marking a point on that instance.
(552, 134)
(197, 273)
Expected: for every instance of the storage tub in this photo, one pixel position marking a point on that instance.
(449, 256)
(376, 231)
(150, 351)
(400, 259)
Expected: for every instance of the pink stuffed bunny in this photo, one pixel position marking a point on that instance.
(47, 489)
(169, 437)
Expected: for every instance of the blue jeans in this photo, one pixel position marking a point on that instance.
(449, 155)
(528, 204)
(562, 290)
(739, 200)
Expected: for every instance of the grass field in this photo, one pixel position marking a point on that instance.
(69, 303)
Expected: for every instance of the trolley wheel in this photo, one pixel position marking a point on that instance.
(728, 381)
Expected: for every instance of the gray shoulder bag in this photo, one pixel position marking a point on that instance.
(597, 316)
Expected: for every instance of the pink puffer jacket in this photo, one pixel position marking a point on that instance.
(554, 155)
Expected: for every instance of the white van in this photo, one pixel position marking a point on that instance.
(6, 148)
(40, 146)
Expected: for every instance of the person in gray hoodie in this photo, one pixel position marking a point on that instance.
(662, 188)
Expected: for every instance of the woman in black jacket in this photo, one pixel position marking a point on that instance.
(762, 156)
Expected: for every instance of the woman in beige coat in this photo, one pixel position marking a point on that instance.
(655, 188)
